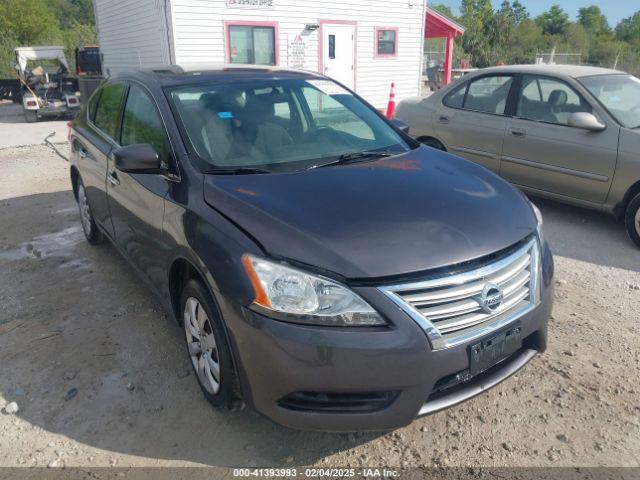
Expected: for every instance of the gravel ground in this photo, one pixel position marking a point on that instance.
(101, 379)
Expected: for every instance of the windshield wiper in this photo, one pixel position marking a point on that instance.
(236, 171)
(353, 157)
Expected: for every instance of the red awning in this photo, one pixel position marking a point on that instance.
(441, 26)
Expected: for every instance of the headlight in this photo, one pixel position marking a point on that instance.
(295, 296)
(540, 227)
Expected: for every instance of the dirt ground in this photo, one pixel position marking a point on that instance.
(101, 377)
(15, 132)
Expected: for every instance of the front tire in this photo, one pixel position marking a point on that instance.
(207, 346)
(632, 219)
(91, 231)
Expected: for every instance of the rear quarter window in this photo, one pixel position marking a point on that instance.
(455, 99)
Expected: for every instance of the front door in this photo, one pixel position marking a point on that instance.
(136, 200)
(543, 153)
(338, 52)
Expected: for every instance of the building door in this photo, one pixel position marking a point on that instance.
(338, 52)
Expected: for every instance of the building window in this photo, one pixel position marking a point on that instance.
(253, 44)
(332, 47)
(386, 42)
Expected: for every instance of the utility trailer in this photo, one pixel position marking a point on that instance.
(10, 89)
(47, 87)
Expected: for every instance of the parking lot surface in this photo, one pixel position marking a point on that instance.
(101, 377)
(15, 132)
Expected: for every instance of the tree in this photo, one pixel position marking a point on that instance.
(628, 30)
(515, 11)
(444, 9)
(520, 12)
(576, 39)
(43, 22)
(593, 20)
(501, 32)
(554, 21)
(477, 17)
(28, 21)
(73, 12)
(527, 40)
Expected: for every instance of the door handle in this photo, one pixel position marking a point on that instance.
(516, 132)
(113, 178)
(443, 119)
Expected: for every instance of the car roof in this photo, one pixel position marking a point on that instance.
(572, 71)
(186, 74)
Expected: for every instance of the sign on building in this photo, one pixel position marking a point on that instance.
(250, 3)
(297, 49)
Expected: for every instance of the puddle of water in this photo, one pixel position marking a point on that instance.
(58, 244)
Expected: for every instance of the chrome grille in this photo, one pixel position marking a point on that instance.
(452, 309)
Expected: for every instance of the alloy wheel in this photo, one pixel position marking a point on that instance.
(202, 345)
(85, 211)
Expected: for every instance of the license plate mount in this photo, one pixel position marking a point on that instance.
(487, 352)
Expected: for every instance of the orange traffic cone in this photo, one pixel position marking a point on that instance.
(391, 107)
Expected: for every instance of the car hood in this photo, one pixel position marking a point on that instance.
(394, 216)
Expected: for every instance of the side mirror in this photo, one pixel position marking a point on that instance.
(400, 125)
(586, 121)
(141, 158)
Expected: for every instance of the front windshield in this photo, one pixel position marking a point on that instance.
(620, 94)
(279, 125)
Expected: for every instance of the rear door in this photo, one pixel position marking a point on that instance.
(471, 120)
(94, 145)
(136, 200)
(542, 152)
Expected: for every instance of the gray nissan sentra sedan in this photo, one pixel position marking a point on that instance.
(327, 269)
(570, 133)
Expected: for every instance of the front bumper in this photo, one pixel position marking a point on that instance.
(275, 360)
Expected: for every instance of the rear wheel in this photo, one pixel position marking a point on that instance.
(632, 219)
(31, 116)
(91, 231)
(207, 346)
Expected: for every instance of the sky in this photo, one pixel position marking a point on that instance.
(615, 10)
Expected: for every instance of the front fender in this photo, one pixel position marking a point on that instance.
(627, 172)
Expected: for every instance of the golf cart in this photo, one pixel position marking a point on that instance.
(47, 88)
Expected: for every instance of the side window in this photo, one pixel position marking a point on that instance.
(328, 112)
(456, 98)
(488, 94)
(142, 124)
(548, 100)
(282, 110)
(93, 103)
(108, 109)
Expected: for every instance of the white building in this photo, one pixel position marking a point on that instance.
(365, 44)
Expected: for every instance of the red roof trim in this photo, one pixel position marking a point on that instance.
(439, 25)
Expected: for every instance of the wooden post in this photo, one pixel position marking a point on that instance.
(448, 60)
